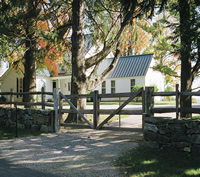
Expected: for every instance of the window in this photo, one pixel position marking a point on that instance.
(103, 87)
(113, 86)
(132, 83)
(69, 86)
(54, 84)
(21, 86)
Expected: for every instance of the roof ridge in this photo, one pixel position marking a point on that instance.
(134, 55)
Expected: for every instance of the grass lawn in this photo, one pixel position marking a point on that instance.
(132, 103)
(144, 161)
(196, 116)
(10, 133)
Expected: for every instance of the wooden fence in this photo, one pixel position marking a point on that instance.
(178, 108)
(147, 109)
(12, 95)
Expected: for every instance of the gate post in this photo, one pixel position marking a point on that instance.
(11, 98)
(177, 101)
(149, 101)
(96, 101)
(143, 107)
(60, 108)
(43, 98)
(55, 98)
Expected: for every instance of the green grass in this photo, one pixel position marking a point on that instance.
(144, 161)
(133, 103)
(10, 133)
(196, 116)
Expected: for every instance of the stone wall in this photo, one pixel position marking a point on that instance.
(183, 135)
(35, 119)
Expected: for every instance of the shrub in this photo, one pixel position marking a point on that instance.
(50, 100)
(155, 88)
(2, 99)
(169, 98)
(135, 89)
(90, 99)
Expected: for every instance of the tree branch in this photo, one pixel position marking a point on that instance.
(95, 82)
(107, 49)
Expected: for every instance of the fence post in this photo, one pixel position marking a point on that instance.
(43, 98)
(143, 108)
(177, 101)
(149, 101)
(11, 98)
(96, 101)
(60, 108)
(55, 98)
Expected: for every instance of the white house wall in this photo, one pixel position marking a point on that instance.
(10, 82)
(122, 85)
(154, 78)
(64, 83)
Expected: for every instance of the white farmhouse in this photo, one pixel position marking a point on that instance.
(131, 71)
(13, 79)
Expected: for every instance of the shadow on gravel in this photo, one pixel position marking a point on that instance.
(7, 169)
(81, 153)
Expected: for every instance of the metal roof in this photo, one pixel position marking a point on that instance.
(128, 66)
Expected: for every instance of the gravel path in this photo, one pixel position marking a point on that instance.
(76, 152)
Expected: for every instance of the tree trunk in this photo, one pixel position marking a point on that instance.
(186, 74)
(30, 57)
(78, 80)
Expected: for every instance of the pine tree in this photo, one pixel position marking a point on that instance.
(107, 20)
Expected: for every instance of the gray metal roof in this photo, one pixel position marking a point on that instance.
(128, 66)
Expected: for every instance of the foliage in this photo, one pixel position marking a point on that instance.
(135, 89)
(134, 38)
(143, 161)
(169, 98)
(169, 89)
(50, 100)
(156, 89)
(90, 99)
(47, 31)
(2, 99)
(163, 46)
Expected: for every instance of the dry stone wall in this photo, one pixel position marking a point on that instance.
(182, 135)
(35, 119)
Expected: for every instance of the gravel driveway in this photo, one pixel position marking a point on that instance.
(76, 152)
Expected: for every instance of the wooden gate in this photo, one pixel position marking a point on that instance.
(96, 111)
(118, 110)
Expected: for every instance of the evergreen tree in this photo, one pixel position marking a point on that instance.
(107, 20)
(187, 34)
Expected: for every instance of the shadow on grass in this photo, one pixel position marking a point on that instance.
(144, 161)
(10, 133)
